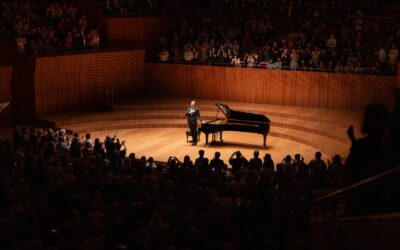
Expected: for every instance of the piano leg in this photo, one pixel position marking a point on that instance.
(213, 137)
(265, 140)
(220, 136)
(206, 134)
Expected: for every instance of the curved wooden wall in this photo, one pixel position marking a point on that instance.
(22, 89)
(298, 88)
(73, 82)
(5, 93)
(5, 54)
(5, 84)
(398, 75)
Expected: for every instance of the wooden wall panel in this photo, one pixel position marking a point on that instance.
(5, 84)
(73, 82)
(22, 89)
(5, 54)
(299, 88)
(138, 32)
(398, 75)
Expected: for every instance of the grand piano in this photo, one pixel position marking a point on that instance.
(235, 121)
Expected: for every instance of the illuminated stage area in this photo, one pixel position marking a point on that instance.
(157, 127)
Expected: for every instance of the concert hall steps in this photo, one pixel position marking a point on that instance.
(324, 130)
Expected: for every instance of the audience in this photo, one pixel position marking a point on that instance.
(140, 7)
(70, 192)
(331, 36)
(43, 26)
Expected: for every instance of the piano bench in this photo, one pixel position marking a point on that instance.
(188, 133)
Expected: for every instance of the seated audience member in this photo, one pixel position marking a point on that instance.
(21, 42)
(98, 148)
(255, 162)
(150, 163)
(164, 55)
(235, 61)
(201, 164)
(318, 170)
(188, 55)
(217, 163)
(393, 56)
(268, 163)
(237, 161)
(88, 140)
(299, 165)
(76, 147)
(93, 39)
(335, 171)
(187, 162)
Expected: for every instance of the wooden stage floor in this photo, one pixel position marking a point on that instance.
(156, 127)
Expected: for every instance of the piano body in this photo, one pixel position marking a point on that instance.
(236, 121)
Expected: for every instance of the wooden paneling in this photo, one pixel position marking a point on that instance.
(22, 102)
(299, 88)
(5, 54)
(139, 32)
(398, 75)
(73, 82)
(5, 94)
(5, 84)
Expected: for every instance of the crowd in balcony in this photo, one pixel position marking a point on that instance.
(138, 7)
(44, 26)
(320, 35)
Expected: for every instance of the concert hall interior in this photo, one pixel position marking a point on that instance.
(203, 124)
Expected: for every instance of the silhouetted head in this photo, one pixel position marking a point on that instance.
(297, 157)
(337, 159)
(132, 156)
(201, 152)
(217, 155)
(267, 157)
(186, 158)
(318, 155)
(256, 154)
(376, 117)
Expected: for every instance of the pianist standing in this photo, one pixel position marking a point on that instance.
(193, 114)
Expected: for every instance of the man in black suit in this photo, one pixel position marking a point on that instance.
(193, 114)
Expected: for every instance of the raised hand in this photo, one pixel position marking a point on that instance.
(350, 133)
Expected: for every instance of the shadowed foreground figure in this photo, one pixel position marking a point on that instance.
(370, 155)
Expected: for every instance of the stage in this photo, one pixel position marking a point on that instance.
(157, 126)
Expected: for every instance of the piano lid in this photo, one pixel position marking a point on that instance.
(223, 108)
(232, 114)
